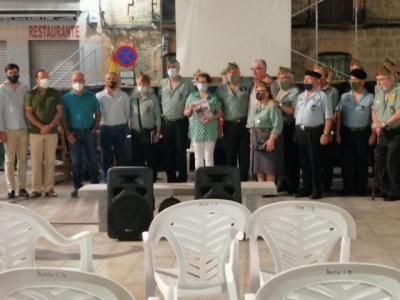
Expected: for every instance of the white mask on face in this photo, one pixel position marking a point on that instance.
(77, 86)
(202, 87)
(44, 83)
(142, 89)
(172, 72)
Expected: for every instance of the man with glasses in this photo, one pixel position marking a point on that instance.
(386, 124)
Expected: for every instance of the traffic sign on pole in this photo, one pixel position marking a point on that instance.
(125, 56)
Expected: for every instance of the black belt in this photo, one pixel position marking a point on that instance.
(114, 126)
(355, 129)
(238, 120)
(309, 128)
(80, 129)
(173, 121)
(391, 130)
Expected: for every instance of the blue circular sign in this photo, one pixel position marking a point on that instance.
(125, 56)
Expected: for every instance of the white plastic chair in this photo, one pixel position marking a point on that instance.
(297, 233)
(20, 230)
(204, 236)
(333, 281)
(59, 284)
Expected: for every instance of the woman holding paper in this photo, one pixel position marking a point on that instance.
(203, 110)
(265, 138)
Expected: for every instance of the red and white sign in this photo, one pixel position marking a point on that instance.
(54, 32)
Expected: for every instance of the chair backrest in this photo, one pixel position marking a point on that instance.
(299, 233)
(20, 230)
(54, 284)
(201, 233)
(219, 182)
(334, 281)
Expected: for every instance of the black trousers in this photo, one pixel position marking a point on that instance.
(175, 135)
(143, 151)
(308, 141)
(387, 160)
(291, 159)
(237, 147)
(328, 162)
(355, 160)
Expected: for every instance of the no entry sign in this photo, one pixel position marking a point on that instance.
(125, 56)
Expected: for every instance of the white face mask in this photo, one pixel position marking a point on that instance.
(77, 86)
(173, 72)
(142, 89)
(44, 83)
(202, 87)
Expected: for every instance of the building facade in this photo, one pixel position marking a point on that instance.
(63, 36)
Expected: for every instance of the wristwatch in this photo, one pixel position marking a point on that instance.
(325, 133)
(383, 124)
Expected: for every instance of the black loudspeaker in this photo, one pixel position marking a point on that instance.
(220, 182)
(130, 202)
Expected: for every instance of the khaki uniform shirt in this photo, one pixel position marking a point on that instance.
(173, 100)
(385, 105)
(43, 107)
(235, 104)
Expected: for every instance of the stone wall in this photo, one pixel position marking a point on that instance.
(374, 45)
(134, 27)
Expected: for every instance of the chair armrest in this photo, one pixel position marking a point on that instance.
(249, 296)
(84, 239)
(149, 281)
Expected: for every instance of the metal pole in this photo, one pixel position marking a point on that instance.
(316, 30)
(356, 28)
(305, 8)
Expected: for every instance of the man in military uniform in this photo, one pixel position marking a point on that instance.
(313, 116)
(328, 151)
(386, 123)
(287, 98)
(353, 132)
(174, 91)
(234, 96)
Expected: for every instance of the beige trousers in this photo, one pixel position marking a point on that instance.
(17, 145)
(43, 153)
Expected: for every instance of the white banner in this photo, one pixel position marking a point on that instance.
(211, 33)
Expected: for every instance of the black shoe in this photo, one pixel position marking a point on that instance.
(35, 194)
(302, 193)
(23, 193)
(74, 194)
(316, 196)
(51, 193)
(11, 195)
(381, 195)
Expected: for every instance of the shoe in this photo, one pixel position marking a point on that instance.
(23, 193)
(316, 196)
(302, 193)
(74, 194)
(35, 194)
(51, 193)
(1, 169)
(11, 195)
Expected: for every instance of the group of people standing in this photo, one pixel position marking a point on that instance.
(271, 130)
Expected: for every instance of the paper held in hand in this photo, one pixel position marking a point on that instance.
(202, 110)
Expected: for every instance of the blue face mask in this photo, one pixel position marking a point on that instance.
(308, 86)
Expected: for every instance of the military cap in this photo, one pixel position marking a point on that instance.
(232, 65)
(284, 71)
(390, 64)
(358, 73)
(384, 71)
(313, 74)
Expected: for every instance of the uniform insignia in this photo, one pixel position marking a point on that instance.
(390, 98)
